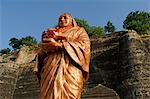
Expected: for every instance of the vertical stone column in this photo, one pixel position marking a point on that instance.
(134, 67)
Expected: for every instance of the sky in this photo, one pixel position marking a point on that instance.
(21, 18)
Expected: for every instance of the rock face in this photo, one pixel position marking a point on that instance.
(27, 86)
(100, 92)
(122, 62)
(104, 61)
(25, 55)
(134, 66)
(120, 67)
(8, 78)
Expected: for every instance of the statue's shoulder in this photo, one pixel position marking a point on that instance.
(80, 28)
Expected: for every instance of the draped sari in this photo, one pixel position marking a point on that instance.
(65, 70)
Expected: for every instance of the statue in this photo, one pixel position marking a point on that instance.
(63, 61)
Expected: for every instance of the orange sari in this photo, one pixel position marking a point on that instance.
(65, 70)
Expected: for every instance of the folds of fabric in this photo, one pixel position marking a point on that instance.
(64, 71)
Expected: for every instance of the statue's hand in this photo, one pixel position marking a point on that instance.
(55, 43)
(50, 46)
(48, 34)
(60, 38)
(44, 40)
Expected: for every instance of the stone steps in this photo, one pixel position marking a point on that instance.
(8, 77)
(27, 95)
(27, 86)
(100, 92)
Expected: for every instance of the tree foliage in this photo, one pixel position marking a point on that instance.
(82, 23)
(138, 21)
(91, 30)
(95, 31)
(28, 41)
(15, 43)
(5, 51)
(18, 43)
(109, 27)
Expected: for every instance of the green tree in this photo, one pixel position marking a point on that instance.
(5, 51)
(138, 21)
(28, 41)
(91, 30)
(95, 31)
(15, 43)
(82, 23)
(109, 27)
(18, 43)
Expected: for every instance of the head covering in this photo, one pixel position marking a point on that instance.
(73, 20)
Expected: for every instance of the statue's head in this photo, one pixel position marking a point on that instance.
(66, 20)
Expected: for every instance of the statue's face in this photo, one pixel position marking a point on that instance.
(65, 20)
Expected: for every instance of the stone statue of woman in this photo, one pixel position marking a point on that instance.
(63, 61)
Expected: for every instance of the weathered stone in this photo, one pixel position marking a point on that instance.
(119, 62)
(8, 78)
(134, 76)
(99, 92)
(25, 56)
(27, 86)
(1, 59)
